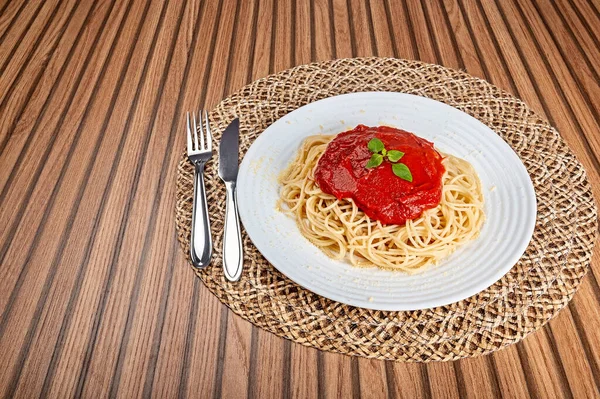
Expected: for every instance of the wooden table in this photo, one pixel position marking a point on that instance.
(96, 297)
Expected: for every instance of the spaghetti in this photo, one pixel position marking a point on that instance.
(343, 231)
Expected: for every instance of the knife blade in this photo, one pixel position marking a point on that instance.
(233, 254)
(229, 152)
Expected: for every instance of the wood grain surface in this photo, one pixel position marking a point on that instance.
(96, 297)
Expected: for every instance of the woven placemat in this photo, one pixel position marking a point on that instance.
(534, 290)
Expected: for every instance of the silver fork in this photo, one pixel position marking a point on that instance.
(199, 152)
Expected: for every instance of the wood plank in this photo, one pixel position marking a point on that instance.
(267, 379)
(324, 31)
(361, 28)
(39, 346)
(510, 374)
(26, 47)
(442, 380)
(572, 356)
(146, 254)
(27, 60)
(579, 32)
(443, 38)
(50, 190)
(94, 42)
(343, 39)
(571, 121)
(28, 104)
(302, 52)
(420, 31)
(202, 344)
(411, 380)
(585, 312)
(337, 376)
(172, 363)
(60, 131)
(9, 14)
(582, 147)
(262, 41)
(373, 382)
(84, 220)
(484, 47)
(399, 21)
(236, 368)
(304, 378)
(19, 91)
(589, 16)
(243, 56)
(476, 379)
(20, 36)
(516, 67)
(381, 29)
(542, 369)
(469, 52)
(284, 48)
(35, 285)
(149, 67)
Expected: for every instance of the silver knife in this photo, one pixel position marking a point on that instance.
(233, 254)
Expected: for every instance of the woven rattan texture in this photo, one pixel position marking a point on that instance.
(535, 289)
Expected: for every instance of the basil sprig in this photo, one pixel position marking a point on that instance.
(379, 151)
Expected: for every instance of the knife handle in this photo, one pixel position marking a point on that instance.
(201, 241)
(233, 253)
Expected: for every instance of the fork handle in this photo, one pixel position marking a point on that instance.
(233, 253)
(201, 241)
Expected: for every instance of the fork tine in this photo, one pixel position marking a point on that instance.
(195, 131)
(189, 135)
(201, 130)
(208, 133)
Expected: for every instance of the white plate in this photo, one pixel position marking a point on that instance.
(510, 204)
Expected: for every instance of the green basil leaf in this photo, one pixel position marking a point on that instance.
(375, 145)
(375, 161)
(394, 155)
(402, 171)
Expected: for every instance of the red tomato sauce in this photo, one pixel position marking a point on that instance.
(378, 191)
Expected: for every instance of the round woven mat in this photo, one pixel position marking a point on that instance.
(534, 290)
